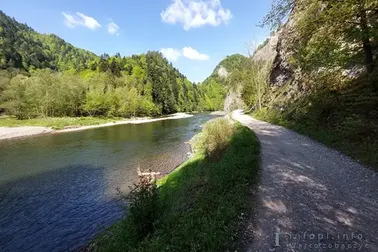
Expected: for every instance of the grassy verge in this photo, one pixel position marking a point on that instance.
(350, 133)
(55, 122)
(199, 205)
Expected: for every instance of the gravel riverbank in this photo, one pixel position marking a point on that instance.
(24, 131)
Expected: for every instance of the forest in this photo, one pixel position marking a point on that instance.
(43, 76)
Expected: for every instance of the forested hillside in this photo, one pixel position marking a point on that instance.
(21, 47)
(44, 76)
(224, 80)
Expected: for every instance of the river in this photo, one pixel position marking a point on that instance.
(58, 191)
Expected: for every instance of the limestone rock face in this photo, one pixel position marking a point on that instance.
(222, 72)
(285, 82)
(278, 51)
(234, 100)
(269, 51)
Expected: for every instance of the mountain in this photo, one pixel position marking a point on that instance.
(22, 47)
(228, 64)
(217, 90)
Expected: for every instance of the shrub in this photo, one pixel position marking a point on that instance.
(215, 138)
(143, 209)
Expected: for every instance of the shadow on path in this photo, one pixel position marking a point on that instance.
(313, 196)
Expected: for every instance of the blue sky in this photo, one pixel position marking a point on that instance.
(193, 34)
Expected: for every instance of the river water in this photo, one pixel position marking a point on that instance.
(58, 191)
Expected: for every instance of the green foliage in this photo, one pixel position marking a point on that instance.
(278, 14)
(230, 63)
(248, 74)
(16, 96)
(22, 47)
(330, 34)
(200, 203)
(143, 210)
(214, 89)
(325, 38)
(163, 79)
(50, 94)
(214, 95)
(215, 138)
(254, 79)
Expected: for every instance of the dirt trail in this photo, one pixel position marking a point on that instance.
(310, 197)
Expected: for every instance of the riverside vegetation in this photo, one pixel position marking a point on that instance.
(42, 76)
(197, 207)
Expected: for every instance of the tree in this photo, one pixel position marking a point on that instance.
(278, 14)
(331, 33)
(158, 75)
(16, 100)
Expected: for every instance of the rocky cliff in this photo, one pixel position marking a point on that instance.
(284, 81)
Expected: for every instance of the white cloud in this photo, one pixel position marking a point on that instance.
(192, 54)
(196, 13)
(170, 53)
(113, 28)
(80, 19)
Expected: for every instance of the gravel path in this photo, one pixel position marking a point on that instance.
(309, 197)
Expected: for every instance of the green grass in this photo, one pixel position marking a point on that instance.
(55, 122)
(200, 203)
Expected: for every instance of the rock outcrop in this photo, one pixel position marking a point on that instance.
(278, 50)
(234, 100)
(269, 51)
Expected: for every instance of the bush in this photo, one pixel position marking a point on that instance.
(215, 138)
(143, 209)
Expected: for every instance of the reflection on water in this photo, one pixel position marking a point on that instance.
(58, 191)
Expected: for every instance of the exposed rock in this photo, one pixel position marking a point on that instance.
(278, 51)
(281, 70)
(222, 72)
(269, 51)
(234, 100)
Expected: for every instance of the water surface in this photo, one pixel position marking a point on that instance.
(58, 191)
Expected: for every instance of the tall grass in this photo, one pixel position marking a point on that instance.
(214, 138)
